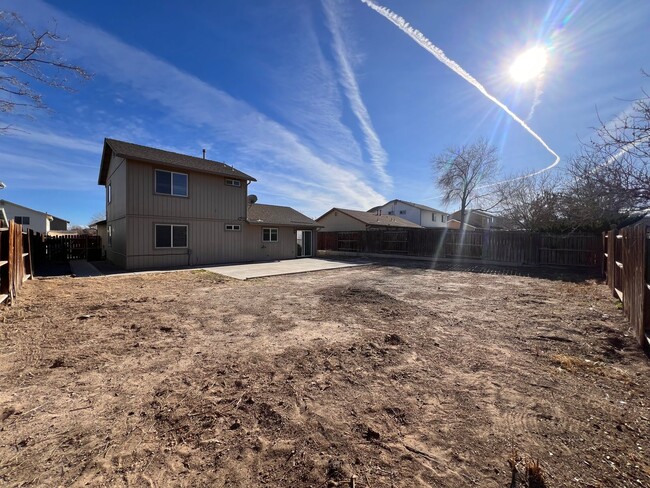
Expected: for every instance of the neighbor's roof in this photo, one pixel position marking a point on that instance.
(153, 155)
(472, 211)
(412, 204)
(4, 202)
(277, 215)
(372, 219)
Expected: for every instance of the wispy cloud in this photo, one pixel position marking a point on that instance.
(259, 141)
(51, 139)
(377, 153)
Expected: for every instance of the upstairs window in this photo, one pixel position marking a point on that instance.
(402, 212)
(171, 183)
(230, 182)
(433, 217)
(109, 193)
(21, 220)
(269, 235)
(233, 227)
(171, 236)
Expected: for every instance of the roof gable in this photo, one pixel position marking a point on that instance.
(152, 155)
(410, 204)
(372, 219)
(4, 202)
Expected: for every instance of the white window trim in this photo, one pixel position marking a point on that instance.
(232, 182)
(171, 194)
(233, 227)
(187, 236)
(109, 193)
(270, 229)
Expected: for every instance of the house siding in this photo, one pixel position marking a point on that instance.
(116, 211)
(414, 214)
(207, 243)
(257, 250)
(339, 222)
(58, 224)
(208, 196)
(210, 205)
(38, 221)
(116, 252)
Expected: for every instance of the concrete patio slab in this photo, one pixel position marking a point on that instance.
(284, 267)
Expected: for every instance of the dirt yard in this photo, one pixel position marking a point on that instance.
(401, 376)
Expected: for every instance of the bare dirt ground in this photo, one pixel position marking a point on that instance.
(399, 375)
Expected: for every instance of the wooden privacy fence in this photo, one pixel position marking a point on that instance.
(16, 264)
(626, 266)
(507, 247)
(66, 248)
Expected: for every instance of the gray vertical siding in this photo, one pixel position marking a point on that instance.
(208, 196)
(257, 250)
(339, 222)
(116, 212)
(209, 206)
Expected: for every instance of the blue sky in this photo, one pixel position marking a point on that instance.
(326, 102)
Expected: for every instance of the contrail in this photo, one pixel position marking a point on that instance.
(439, 54)
(348, 80)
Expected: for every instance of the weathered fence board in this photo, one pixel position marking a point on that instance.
(627, 269)
(15, 260)
(515, 248)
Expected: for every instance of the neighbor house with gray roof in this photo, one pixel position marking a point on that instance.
(345, 220)
(29, 218)
(417, 213)
(165, 209)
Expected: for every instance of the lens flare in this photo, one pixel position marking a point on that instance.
(529, 64)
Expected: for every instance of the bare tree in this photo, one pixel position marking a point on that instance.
(533, 203)
(462, 170)
(28, 56)
(97, 217)
(616, 162)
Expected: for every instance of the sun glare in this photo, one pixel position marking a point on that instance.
(529, 64)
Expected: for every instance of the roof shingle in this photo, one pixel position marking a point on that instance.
(278, 215)
(373, 219)
(152, 155)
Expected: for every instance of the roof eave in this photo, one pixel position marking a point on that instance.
(103, 167)
(153, 161)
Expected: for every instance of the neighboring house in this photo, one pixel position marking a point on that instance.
(33, 219)
(476, 220)
(165, 209)
(343, 220)
(413, 212)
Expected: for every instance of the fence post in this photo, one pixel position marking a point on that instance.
(4, 265)
(30, 258)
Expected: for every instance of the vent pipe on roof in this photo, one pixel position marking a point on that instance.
(204, 154)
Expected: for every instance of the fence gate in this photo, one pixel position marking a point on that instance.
(66, 248)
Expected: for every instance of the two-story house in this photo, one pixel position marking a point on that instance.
(476, 220)
(165, 209)
(413, 212)
(32, 219)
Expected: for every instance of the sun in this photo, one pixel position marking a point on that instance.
(529, 64)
